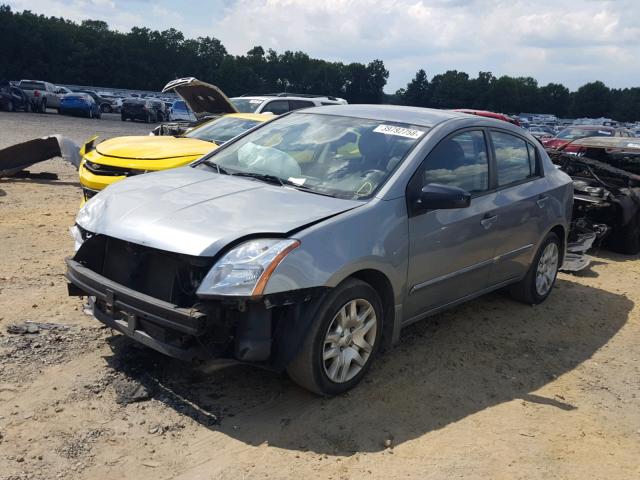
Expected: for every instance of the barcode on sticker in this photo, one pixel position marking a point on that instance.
(399, 131)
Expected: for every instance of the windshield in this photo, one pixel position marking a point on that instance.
(246, 105)
(222, 129)
(339, 156)
(573, 133)
(32, 86)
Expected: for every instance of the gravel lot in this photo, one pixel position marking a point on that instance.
(492, 389)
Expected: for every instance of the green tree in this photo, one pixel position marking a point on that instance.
(417, 91)
(592, 100)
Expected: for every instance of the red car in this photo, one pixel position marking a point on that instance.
(568, 135)
(485, 113)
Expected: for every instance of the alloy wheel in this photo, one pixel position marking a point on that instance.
(547, 269)
(349, 340)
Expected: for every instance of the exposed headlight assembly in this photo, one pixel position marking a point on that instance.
(246, 268)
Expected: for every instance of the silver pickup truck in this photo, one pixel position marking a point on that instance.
(42, 94)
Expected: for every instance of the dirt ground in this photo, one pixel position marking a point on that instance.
(493, 389)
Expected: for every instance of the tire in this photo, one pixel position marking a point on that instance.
(27, 107)
(10, 106)
(626, 239)
(123, 117)
(310, 370)
(90, 113)
(528, 290)
(59, 111)
(148, 119)
(99, 116)
(104, 108)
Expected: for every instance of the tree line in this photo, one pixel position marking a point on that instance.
(454, 89)
(90, 53)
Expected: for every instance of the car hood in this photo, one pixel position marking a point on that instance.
(197, 212)
(153, 147)
(202, 98)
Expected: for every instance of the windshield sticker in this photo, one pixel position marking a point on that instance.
(399, 131)
(297, 181)
(604, 132)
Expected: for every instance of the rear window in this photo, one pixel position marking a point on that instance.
(246, 105)
(32, 85)
(573, 133)
(179, 105)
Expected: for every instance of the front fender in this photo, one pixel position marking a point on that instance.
(372, 237)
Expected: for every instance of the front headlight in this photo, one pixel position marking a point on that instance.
(245, 269)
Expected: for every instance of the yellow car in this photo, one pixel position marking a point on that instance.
(122, 157)
(117, 158)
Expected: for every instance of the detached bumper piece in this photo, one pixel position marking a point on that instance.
(160, 325)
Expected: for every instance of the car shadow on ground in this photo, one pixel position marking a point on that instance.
(489, 351)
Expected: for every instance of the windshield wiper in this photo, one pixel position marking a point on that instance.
(261, 176)
(218, 168)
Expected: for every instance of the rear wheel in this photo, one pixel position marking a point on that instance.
(537, 284)
(342, 342)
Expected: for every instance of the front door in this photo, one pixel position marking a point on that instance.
(451, 251)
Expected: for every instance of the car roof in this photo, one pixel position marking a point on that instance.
(426, 117)
(258, 117)
(594, 127)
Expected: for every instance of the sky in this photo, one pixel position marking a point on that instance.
(567, 41)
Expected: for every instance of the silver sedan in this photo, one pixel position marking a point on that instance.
(310, 241)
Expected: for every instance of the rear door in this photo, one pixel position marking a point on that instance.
(521, 201)
(451, 251)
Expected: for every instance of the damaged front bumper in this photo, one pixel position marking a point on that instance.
(267, 331)
(146, 319)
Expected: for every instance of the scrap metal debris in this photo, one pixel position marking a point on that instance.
(17, 157)
(34, 327)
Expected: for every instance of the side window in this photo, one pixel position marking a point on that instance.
(512, 158)
(460, 161)
(277, 107)
(533, 160)
(297, 104)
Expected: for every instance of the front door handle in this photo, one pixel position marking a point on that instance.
(488, 221)
(542, 200)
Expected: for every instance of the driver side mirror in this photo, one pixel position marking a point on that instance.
(436, 196)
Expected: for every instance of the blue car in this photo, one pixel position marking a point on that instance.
(180, 111)
(79, 104)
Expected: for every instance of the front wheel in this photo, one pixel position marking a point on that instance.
(537, 284)
(342, 341)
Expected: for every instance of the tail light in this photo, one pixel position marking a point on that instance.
(36, 93)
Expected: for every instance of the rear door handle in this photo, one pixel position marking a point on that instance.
(542, 199)
(488, 220)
